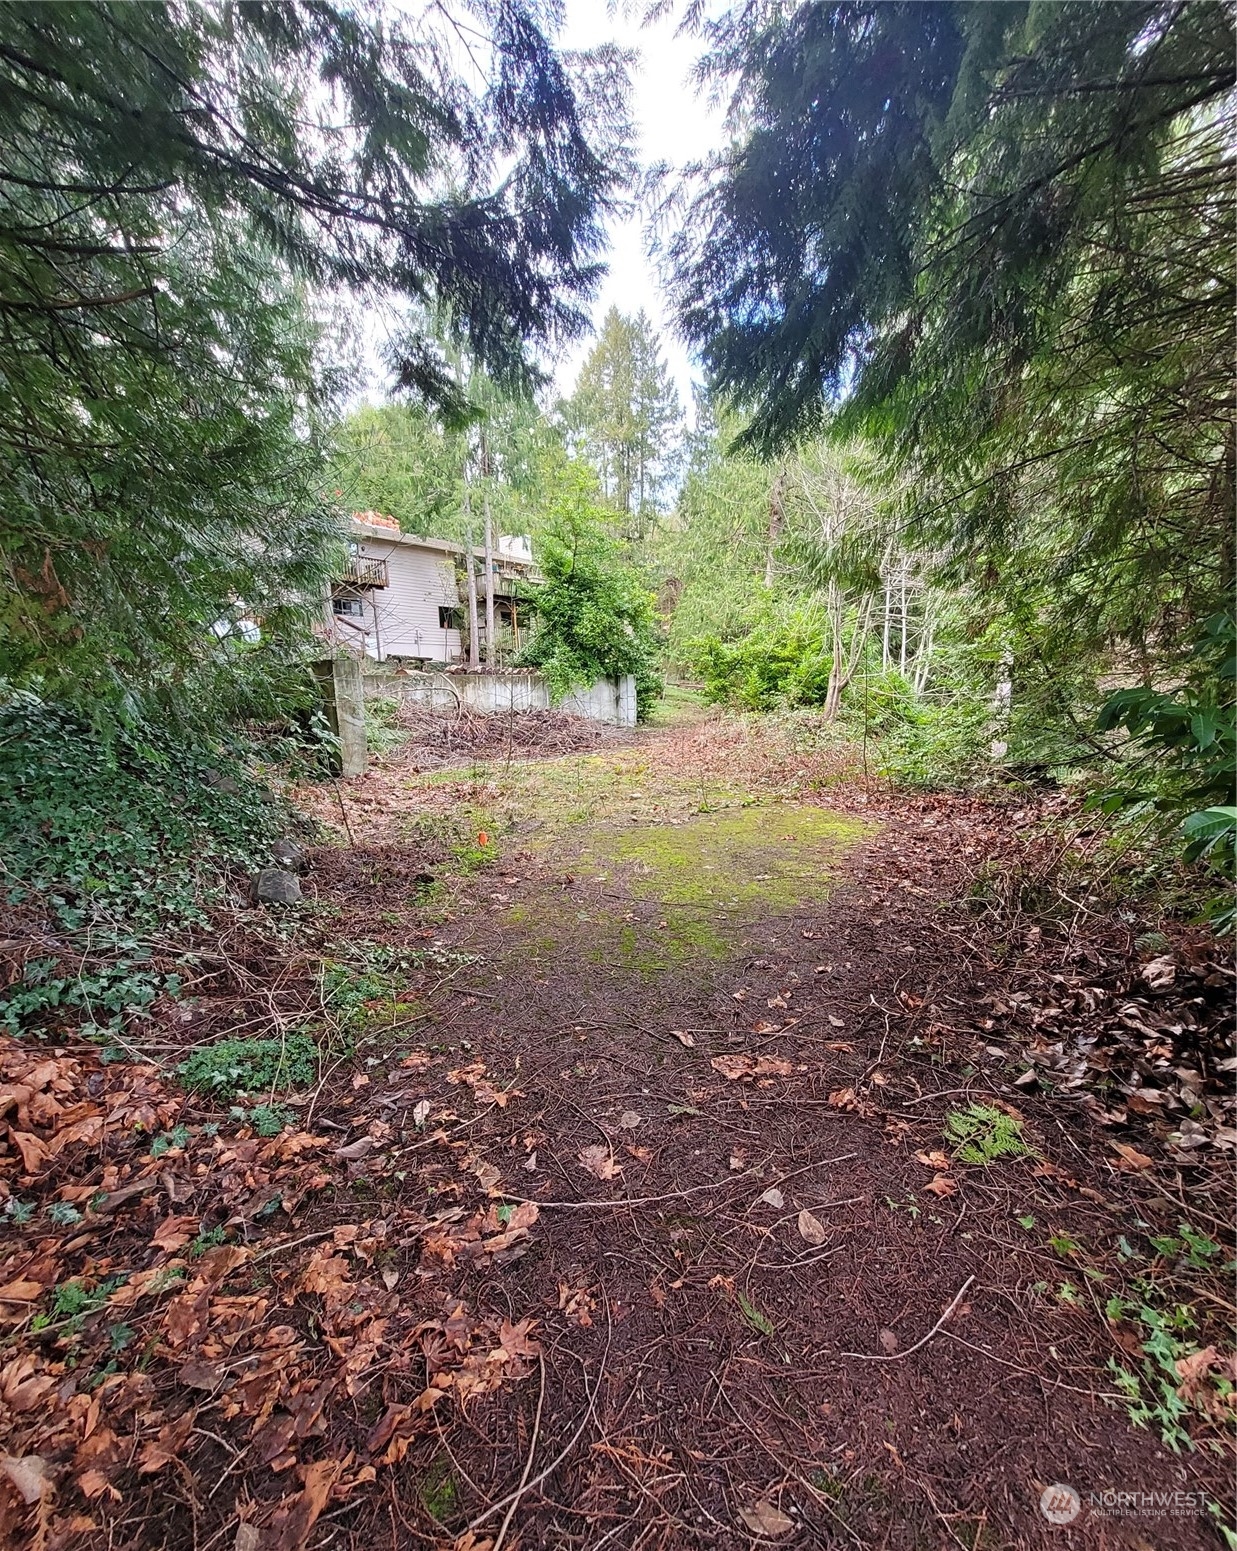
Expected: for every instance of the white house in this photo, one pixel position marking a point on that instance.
(401, 595)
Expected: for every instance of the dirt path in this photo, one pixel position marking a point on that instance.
(646, 1148)
(711, 1026)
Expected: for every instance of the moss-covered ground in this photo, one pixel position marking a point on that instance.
(674, 862)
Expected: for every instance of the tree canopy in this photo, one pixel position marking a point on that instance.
(625, 417)
(182, 189)
(998, 239)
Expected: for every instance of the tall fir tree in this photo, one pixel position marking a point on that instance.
(625, 417)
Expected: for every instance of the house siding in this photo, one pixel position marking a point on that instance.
(401, 619)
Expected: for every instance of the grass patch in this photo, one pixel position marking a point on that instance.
(700, 879)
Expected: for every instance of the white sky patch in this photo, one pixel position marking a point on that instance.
(675, 125)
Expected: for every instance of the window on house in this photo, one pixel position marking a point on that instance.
(348, 603)
(450, 619)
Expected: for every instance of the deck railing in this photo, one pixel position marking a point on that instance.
(363, 571)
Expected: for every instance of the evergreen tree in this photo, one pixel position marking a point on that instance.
(1000, 238)
(625, 417)
(181, 187)
(400, 459)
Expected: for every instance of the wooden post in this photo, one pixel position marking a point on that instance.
(489, 553)
(470, 572)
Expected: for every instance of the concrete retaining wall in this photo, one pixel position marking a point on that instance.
(494, 694)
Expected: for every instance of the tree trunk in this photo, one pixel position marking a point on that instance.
(470, 573)
(490, 661)
(922, 659)
(1002, 703)
(833, 691)
(777, 517)
(489, 587)
(902, 645)
(885, 629)
(833, 694)
(842, 668)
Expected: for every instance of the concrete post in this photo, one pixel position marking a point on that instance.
(627, 701)
(343, 693)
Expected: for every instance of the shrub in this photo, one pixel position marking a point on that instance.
(774, 664)
(937, 744)
(594, 616)
(1184, 748)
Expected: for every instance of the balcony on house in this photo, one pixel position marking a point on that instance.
(364, 571)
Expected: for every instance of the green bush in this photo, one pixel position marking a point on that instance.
(774, 664)
(251, 1066)
(936, 744)
(1183, 748)
(594, 616)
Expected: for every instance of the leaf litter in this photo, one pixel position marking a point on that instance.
(281, 1340)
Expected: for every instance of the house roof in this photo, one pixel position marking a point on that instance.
(385, 535)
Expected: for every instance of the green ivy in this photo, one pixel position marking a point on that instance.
(113, 835)
(251, 1066)
(594, 616)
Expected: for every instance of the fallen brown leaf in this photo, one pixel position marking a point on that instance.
(296, 1516)
(1192, 1370)
(812, 1229)
(599, 1160)
(175, 1232)
(762, 1518)
(167, 1447)
(736, 1066)
(28, 1474)
(33, 1152)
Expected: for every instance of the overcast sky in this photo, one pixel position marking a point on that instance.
(675, 126)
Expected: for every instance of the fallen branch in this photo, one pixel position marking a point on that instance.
(895, 1357)
(528, 1486)
(528, 1465)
